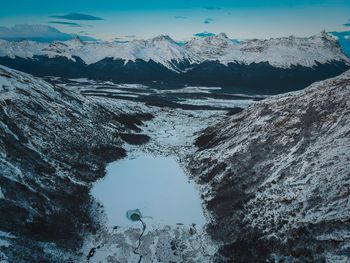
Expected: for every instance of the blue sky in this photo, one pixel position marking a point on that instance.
(125, 20)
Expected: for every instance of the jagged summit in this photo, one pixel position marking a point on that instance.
(281, 52)
(163, 38)
(77, 40)
(222, 35)
(278, 52)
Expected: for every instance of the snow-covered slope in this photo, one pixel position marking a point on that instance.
(279, 52)
(53, 144)
(161, 49)
(211, 47)
(256, 66)
(276, 177)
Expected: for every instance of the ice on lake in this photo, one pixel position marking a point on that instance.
(156, 186)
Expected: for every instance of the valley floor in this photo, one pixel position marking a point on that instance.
(169, 129)
(172, 132)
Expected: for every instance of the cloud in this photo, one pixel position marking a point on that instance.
(40, 33)
(347, 24)
(208, 20)
(212, 7)
(120, 40)
(180, 17)
(344, 40)
(340, 34)
(77, 16)
(130, 36)
(65, 23)
(204, 34)
(235, 41)
(84, 32)
(181, 43)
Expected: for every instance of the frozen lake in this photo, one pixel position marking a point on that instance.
(157, 186)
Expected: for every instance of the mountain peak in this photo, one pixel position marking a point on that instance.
(278, 52)
(324, 35)
(222, 35)
(75, 42)
(77, 39)
(163, 38)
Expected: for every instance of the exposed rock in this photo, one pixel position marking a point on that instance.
(276, 177)
(135, 139)
(53, 144)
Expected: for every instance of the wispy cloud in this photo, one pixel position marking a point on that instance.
(208, 20)
(204, 34)
(130, 36)
(340, 34)
(344, 40)
(120, 40)
(77, 16)
(84, 32)
(66, 23)
(180, 17)
(347, 24)
(212, 7)
(41, 33)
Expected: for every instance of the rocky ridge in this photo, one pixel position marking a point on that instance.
(53, 144)
(276, 177)
(278, 52)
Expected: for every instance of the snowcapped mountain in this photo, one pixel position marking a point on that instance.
(278, 52)
(211, 47)
(276, 177)
(215, 60)
(161, 49)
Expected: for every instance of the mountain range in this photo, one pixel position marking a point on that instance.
(252, 66)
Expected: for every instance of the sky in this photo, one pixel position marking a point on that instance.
(126, 20)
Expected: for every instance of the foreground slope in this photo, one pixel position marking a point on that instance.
(53, 145)
(276, 177)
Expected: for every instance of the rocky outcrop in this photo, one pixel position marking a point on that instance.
(276, 177)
